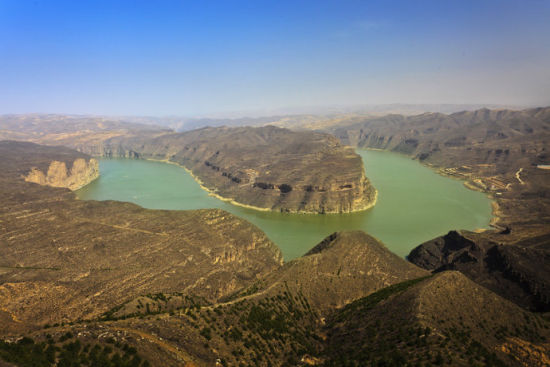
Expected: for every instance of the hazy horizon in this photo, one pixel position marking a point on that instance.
(319, 111)
(178, 58)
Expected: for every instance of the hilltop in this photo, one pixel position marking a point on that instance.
(515, 271)
(341, 268)
(442, 320)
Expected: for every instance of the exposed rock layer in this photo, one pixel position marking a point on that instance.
(267, 168)
(81, 173)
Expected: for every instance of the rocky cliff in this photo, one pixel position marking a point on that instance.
(80, 174)
(266, 168)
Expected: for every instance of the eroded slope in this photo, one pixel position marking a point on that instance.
(444, 320)
(62, 260)
(517, 271)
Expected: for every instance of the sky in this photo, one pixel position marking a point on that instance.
(193, 58)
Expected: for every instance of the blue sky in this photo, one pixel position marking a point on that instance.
(200, 57)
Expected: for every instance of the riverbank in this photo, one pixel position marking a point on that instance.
(471, 184)
(232, 201)
(413, 203)
(468, 182)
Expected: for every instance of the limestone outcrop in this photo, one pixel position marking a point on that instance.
(58, 174)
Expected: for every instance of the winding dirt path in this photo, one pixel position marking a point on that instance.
(519, 178)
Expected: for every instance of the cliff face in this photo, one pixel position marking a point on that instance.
(267, 168)
(81, 173)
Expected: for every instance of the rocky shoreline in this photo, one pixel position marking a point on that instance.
(260, 168)
(81, 174)
(232, 201)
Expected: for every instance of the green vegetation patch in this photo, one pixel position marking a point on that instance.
(153, 304)
(369, 302)
(68, 353)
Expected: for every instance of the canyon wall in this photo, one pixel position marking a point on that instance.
(58, 174)
(267, 168)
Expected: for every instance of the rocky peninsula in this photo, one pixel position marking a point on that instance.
(266, 168)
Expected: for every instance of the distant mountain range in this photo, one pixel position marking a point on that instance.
(284, 117)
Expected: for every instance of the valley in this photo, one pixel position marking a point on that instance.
(274, 183)
(417, 207)
(115, 282)
(265, 168)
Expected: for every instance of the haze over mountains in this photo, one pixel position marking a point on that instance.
(487, 148)
(286, 117)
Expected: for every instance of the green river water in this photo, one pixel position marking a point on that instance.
(414, 203)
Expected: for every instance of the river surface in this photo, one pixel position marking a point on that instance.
(414, 203)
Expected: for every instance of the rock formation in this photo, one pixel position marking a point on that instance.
(81, 173)
(266, 168)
